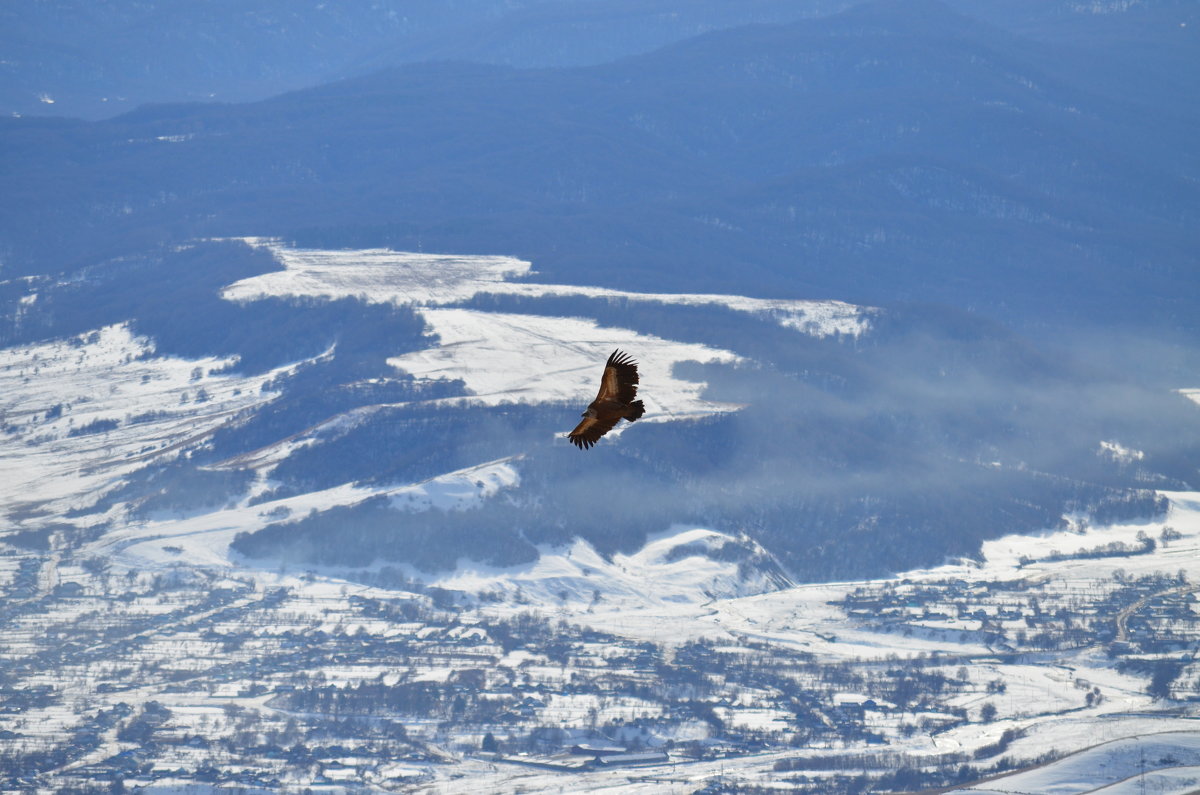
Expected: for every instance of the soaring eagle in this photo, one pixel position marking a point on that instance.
(614, 401)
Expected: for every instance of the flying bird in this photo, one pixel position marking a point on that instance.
(614, 402)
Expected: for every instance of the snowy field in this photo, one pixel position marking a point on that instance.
(669, 571)
(83, 412)
(1172, 760)
(384, 276)
(560, 359)
(204, 538)
(505, 357)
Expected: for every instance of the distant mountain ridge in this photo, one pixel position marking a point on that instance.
(897, 151)
(99, 59)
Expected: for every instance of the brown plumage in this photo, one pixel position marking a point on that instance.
(614, 402)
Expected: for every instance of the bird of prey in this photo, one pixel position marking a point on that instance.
(614, 402)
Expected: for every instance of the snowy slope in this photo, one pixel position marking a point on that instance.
(1167, 762)
(676, 567)
(504, 358)
(204, 539)
(81, 413)
(381, 275)
(524, 358)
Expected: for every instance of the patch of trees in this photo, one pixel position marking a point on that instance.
(446, 700)
(180, 485)
(38, 540)
(1113, 549)
(1001, 745)
(14, 701)
(1128, 506)
(1161, 671)
(95, 426)
(140, 729)
(169, 291)
(412, 443)
(374, 531)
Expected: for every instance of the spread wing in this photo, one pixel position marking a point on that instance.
(620, 379)
(589, 431)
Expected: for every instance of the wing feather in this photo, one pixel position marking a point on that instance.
(589, 431)
(620, 379)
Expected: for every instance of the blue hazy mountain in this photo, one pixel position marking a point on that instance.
(100, 59)
(898, 151)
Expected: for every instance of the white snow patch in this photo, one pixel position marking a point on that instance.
(204, 539)
(81, 413)
(1114, 767)
(505, 358)
(1119, 453)
(385, 276)
(671, 574)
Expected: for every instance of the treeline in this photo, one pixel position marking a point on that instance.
(1113, 549)
(173, 296)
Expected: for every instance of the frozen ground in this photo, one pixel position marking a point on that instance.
(204, 538)
(673, 569)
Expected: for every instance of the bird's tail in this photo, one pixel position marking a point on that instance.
(636, 409)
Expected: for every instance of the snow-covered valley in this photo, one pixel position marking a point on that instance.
(140, 647)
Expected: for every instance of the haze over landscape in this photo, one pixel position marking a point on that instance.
(298, 302)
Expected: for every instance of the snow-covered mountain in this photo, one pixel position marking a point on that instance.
(216, 574)
(102, 427)
(285, 498)
(92, 418)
